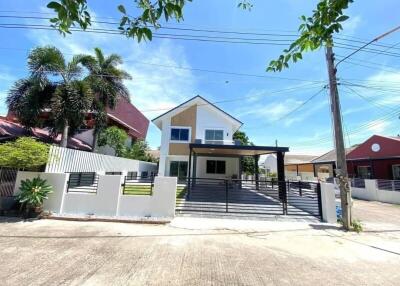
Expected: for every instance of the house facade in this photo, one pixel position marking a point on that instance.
(196, 121)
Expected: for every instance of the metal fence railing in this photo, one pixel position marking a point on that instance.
(138, 186)
(388, 185)
(357, 183)
(7, 181)
(85, 182)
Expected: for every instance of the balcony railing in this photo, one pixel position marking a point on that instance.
(218, 142)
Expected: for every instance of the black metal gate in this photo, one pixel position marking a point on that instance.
(7, 181)
(251, 197)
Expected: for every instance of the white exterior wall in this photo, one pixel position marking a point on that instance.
(270, 163)
(108, 201)
(164, 148)
(328, 202)
(232, 167)
(209, 119)
(63, 160)
(372, 193)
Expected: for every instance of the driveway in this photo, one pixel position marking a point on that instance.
(194, 251)
(377, 216)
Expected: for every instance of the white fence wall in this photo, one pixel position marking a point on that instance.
(108, 201)
(62, 160)
(371, 192)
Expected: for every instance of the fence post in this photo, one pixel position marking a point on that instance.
(226, 196)
(319, 199)
(188, 187)
(151, 184)
(300, 190)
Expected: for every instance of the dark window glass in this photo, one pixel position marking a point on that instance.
(113, 173)
(216, 167)
(145, 174)
(209, 134)
(218, 135)
(220, 167)
(184, 135)
(175, 134)
(178, 169)
(211, 166)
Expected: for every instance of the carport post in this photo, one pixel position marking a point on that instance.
(189, 172)
(256, 174)
(281, 179)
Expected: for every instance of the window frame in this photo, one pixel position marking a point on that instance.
(393, 173)
(180, 127)
(216, 167)
(213, 129)
(367, 167)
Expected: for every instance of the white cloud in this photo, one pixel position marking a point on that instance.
(379, 126)
(351, 25)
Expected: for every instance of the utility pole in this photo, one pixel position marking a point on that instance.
(341, 165)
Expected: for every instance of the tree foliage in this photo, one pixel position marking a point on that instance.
(25, 153)
(54, 85)
(106, 82)
(315, 32)
(248, 163)
(76, 13)
(139, 151)
(115, 138)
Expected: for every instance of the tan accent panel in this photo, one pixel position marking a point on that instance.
(306, 168)
(291, 168)
(178, 149)
(186, 118)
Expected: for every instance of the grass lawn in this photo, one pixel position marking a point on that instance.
(138, 189)
(180, 192)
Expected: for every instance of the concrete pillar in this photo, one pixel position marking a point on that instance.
(328, 202)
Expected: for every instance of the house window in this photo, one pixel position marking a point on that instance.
(214, 136)
(364, 172)
(178, 169)
(216, 167)
(180, 134)
(396, 172)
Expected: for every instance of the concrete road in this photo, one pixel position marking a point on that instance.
(194, 251)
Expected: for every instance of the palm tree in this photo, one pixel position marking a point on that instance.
(54, 85)
(106, 81)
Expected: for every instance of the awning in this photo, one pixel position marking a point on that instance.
(234, 150)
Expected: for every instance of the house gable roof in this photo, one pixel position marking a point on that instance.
(330, 156)
(384, 147)
(199, 101)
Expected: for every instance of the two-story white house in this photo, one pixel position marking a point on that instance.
(198, 134)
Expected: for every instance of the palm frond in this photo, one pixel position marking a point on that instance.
(44, 60)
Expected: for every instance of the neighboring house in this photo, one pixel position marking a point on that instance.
(125, 116)
(325, 165)
(199, 134)
(10, 131)
(299, 167)
(377, 158)
(296, 166)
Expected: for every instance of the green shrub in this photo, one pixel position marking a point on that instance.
(33, 193)
(356, 226)
(25, 153)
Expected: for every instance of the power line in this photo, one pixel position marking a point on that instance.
(368, 43)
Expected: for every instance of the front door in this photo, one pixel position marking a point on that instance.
(178, 169)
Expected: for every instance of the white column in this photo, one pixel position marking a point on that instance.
(328, 202)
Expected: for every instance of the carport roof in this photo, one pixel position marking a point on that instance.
(234, 150)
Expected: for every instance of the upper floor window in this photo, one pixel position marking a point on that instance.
(180, 134)
(214, 135)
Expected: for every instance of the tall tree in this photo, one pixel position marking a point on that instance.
(106, 81)
(248, 163)
(53, 85)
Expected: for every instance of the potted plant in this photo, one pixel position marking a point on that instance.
(32, 195)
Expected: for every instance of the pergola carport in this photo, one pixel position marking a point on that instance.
(210, 150)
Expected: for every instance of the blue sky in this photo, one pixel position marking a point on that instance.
(369, 93)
